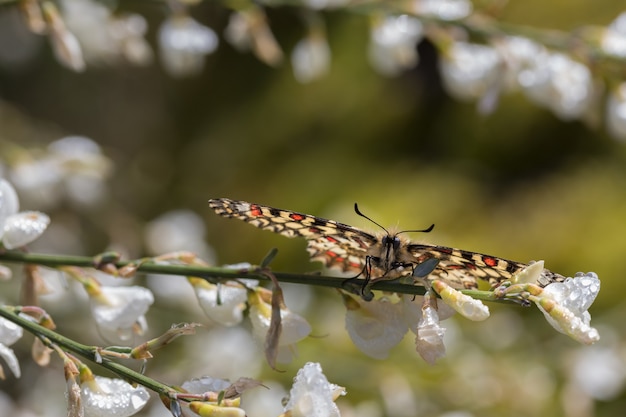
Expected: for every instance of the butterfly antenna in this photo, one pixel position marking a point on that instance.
(356, 209)
(432, 226)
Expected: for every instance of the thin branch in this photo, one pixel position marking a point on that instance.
(87, 352)
(147, 265)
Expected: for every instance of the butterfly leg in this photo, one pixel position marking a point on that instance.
(354, 285)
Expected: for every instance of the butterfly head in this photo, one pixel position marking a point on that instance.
(388, 256)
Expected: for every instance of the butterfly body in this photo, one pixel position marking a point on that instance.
(376, 257)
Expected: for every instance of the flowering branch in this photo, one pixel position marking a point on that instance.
(91, 353)
(218, 274)
(153, 265)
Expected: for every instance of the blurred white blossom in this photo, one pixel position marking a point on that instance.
(443, 9)
(325, 4)
(9, 202)
(469, 70)
(616, 112)
(613, 40)
(184, 43)
(248, 29)
(522, 57)
(73, 167)
(393, 44)
(119, 311)
(600, 372)
(64, 44)
(561, 84)
(9, 334)
(312, 395)
(178, 230)
(104, 397)
(310, 58)
(18, 229)
(104, 37)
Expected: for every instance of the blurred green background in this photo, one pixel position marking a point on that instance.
(518, 183)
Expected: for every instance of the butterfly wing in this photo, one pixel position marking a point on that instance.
(462, 269)
(335, 244)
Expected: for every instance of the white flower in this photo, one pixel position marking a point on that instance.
(565, 306)
(205, 384)
(600, 372)
(107, 38)
(18, 229)
(312, 395)
(563, 85)
(9, 203)
(118, 310)
(104, 397)
(616, 112)
(184, 43)
(529, 275)
(469, 70)
(248, 29)
(444, 9)
(465, 305)
(74, 167)
(221, 303)
(613, 40)
(178, 230)
(64, 44)
(423, 315)
(294, 328)
(310, 58)
(375, 326)
(22, 228)
(393, 44)
(9, 334)
(429, 334)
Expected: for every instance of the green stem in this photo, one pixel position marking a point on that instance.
(205, 272)
(87, 352)
(221, 273)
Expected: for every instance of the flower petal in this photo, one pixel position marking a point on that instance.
(376, 326)
(113, 397)
(9, 332)
(24, 227)
(9, 357)
(9, 203)
(311, 394)
(223, 304)
(120, 308)
(465, 305)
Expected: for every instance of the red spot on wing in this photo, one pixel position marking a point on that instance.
(297, 217)
(489, 261)
(314, 230)
(470, 265)
(331, 239)
(334, 256)
(255, 211)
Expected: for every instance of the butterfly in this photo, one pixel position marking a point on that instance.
(381, 256)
